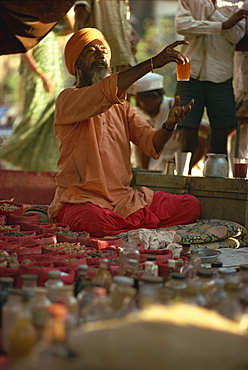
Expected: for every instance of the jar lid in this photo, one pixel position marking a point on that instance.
(6, 279)
(29, 277)
(205, 272)
(216, 264)
(151, 258)
(185, 245)
(227, 271)
(123, 280)
(171, 263)
(54, 274)
(152, 279)
(177, 276)
(82, 267)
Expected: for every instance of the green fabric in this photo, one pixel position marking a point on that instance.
(33, 145)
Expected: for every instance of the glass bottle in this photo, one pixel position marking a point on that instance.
(155, 266)
(148, 268)
(53, 284)
(231, 306)
(97, 308)
(81, 278)
(40, 309)
(133, 272)
(188, 269)
(22, 336)
(169, 271)
(176, 287)
(195, 258)
(10, 311)
(84, 297)
(185, 250)
(29, 282)
(6, 283)
(103, 277)
(128, 251)
(149, 287)
(68, 298)
(219, 294)
(179, 264)
(215, 266)
(122, 294)
(56, 339)
(206, 283)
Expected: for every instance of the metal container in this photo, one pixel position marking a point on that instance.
(216, 165)
(169, 167)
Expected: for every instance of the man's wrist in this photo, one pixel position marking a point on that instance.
(167, 128)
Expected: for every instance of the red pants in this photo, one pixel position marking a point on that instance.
(165, 210)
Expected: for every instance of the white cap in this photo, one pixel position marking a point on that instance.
(151, 81)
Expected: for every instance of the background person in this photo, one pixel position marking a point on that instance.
(153, 104)
(213, 32)
(33, 145)
(94, 124)
(113, 19)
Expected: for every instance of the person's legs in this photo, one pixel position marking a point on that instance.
(173, 209)
(91, 218)
(220, 104)
(218, 140)
(189, 126)
(165, 210)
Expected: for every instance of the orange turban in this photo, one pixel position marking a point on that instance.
(76, 44)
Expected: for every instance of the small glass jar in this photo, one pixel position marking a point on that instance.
(103, 277)
(69, 300)
(53, 284)
(10, 311)
(81, 278)
(149, 287)
(122, 293)
(40, 309)
(29, 282)
(129, 251)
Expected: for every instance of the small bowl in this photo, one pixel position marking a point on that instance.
(208, 255)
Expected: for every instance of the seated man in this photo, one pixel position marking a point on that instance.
(154, 105)
(94, 124)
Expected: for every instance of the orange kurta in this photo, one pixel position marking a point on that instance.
(94, 129)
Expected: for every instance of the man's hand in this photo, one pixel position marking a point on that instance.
(178, 113)
(234, 19)
(169, 54)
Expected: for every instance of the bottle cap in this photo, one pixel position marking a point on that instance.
(177, 276)
(171, 263)
(185, 245)
(227, 271)
(123, 280)
(151, 279)
(216, 264)
(29, 277)
(205, 272)
(151, 258)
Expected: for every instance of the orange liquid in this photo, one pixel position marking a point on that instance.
(22, 339)
(183, 71)
(240, 170)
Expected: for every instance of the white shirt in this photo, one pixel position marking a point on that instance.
(210, 48)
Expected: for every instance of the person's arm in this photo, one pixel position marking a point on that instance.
(176, 114)
(81, 16)
(127, 77)
(34, 67)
